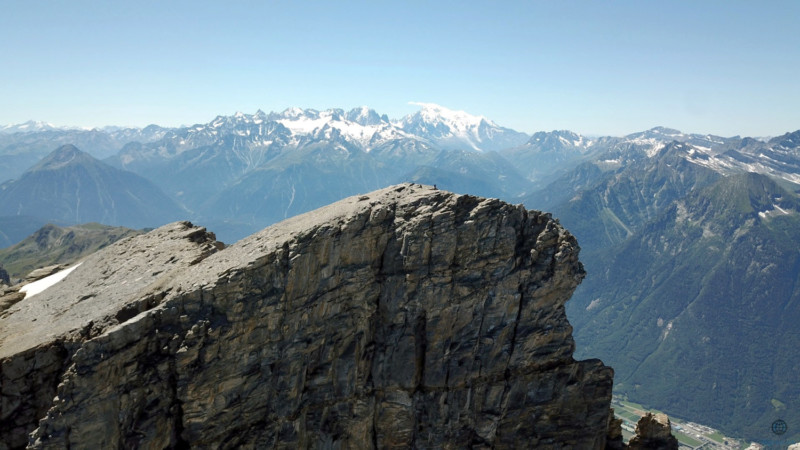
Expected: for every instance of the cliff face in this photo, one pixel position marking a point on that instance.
(406, 317)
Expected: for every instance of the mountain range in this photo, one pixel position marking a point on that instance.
(689, 240)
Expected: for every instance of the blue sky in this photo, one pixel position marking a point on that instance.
(725, 67)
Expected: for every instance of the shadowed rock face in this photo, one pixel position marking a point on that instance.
(405, 317)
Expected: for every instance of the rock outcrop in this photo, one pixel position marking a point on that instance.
(653, 432)
(408, 317)
(4, 279)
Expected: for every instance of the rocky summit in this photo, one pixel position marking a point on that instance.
(408, 317)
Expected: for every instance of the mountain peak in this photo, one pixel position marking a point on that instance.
(459, 130)
(665, 130)
(364, 115)
(788, 140)
(62, 156)
(436, 113)
(293, 112)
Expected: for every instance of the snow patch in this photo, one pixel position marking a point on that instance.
(39, 286)
(775, 211)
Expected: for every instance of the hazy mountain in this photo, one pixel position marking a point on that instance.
(59, 245)
(318, 172)
(617, 202)
(70, 186)
(31, 126)
(486, 174)
(697, 311)
(547, 155)
(21, 150)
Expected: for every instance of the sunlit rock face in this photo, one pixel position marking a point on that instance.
(407, 317)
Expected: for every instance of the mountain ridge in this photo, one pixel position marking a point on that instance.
(374, 322)
(684, 307)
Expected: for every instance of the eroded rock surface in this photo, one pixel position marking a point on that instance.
(408, 317)
(39, 335)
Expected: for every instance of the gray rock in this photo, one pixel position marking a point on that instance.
(39, 335)
(43, 272)
(408, 317)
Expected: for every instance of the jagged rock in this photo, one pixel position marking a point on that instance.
(653, 432)
(614, 438)
(408, 317)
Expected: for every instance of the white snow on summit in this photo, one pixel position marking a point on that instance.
(304, 122)
(29, 127)
(457, 120)
(458, 129)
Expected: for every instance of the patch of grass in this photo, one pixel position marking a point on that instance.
(631, 417)
(684, 439)
(631, 405)
(717, 436)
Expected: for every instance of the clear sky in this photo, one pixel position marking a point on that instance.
(594, 67)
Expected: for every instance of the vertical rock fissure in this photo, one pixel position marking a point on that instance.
(176, 408)
(420, 344)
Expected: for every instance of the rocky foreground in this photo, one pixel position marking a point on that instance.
(408, 317)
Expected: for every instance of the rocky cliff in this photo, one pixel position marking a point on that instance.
(408, 317)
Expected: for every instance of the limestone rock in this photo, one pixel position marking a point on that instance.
(653, 431)
(42, 272)
(39, 335)
(8, 297)
(409, 317)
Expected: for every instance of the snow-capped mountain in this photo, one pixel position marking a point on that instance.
(30, 126)
(359, 125)
(459, 130)
(779, 157)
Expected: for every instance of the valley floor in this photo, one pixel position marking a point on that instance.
(690, 435)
